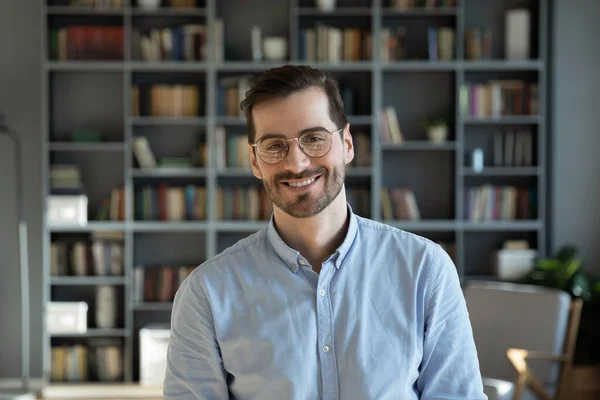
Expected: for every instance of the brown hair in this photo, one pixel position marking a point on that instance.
(283, 81)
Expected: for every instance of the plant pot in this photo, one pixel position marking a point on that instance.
(437, 134)
(326, 5)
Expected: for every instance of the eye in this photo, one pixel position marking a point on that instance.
(313, 138)
(274, 145)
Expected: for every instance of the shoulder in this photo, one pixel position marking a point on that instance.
(394, 238)
(422, 257)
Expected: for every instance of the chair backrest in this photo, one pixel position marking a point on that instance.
(507, 315)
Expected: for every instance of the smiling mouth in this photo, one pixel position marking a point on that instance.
(303, 183)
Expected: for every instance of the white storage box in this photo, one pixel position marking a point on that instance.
(66, 317)
(154, 341)
(514, 264)
(68, 209)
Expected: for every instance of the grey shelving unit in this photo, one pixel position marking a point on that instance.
(97, 93)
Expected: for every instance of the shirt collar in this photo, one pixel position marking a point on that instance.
(293, 258)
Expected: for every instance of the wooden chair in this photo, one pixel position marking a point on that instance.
(514, 316)
(526, 378)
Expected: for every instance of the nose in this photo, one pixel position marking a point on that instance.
(296, 160)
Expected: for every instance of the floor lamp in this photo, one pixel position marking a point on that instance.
(24, 392)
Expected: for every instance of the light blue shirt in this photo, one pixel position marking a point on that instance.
(384, 319)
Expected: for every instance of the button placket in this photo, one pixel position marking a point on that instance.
(329, 376)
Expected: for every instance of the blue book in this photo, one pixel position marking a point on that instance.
(432, 43)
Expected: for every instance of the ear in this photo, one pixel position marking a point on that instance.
(348, 145)
(254, 163)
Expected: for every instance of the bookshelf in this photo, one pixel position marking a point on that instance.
(94, 93)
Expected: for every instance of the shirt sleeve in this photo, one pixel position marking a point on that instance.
(194, 366)
(450, 367)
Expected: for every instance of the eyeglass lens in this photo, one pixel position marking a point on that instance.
(313, 144)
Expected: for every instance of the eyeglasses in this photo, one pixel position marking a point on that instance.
(315, 144)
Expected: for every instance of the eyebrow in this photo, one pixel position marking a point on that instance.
(271, 135)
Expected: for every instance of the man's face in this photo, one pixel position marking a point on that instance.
(299, 185)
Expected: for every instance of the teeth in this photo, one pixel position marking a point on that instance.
(303, 183)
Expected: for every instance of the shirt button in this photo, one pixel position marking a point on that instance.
(294, 267)
(322, 292)
(325, 349)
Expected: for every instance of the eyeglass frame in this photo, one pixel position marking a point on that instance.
(297, 139)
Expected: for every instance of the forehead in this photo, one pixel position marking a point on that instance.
(293, 113)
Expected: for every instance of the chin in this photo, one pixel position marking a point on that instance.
(300, 211)
(309, 204)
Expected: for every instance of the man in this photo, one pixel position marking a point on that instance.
(321, 303)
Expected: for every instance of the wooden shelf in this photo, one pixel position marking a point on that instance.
(515, 225)
(167, 66)
(85, 66)
(420, 12)
(166, 121)
(419, 66)
(72, 146)
(235, 172)
(250, 66)
(101, 226)
(94, 333)
(87, 280)
(169, 12)
(502, 65)
(234, 121)
(504, 171)
(246, 66)
(420, 145)
(169, 172)
(338, 12)
(169, 226)
(99, 390)
(84, 11)
(424, 225)
(504, 120)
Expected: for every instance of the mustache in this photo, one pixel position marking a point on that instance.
(288, 175)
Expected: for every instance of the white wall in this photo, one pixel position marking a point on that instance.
(20, 90)
(576, 128)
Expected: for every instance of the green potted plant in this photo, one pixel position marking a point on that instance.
(564, 271)
(567, 272)
(437, 128)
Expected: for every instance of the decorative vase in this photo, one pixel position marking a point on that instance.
(326, 5)
(438, 133)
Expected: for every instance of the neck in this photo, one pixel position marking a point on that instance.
(317, 237)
